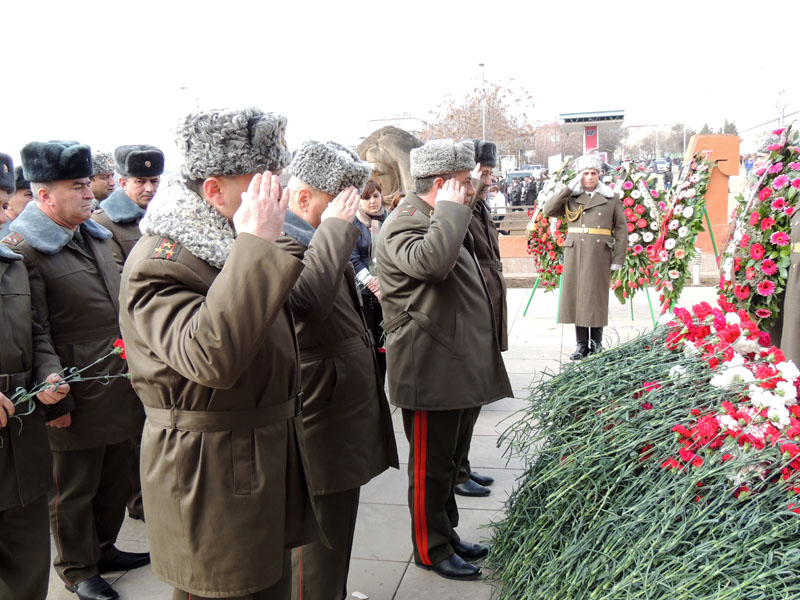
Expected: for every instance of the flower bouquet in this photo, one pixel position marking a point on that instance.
(758, 252)
(546, 236)
(674, 248)
(665, 468)
(642, 214)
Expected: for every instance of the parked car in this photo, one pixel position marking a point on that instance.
(660, 165)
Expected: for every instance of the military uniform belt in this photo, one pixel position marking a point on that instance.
(491, 264)
(11, 381)
(344, 346)
(591, 230)
(796, 247)
(223, 420)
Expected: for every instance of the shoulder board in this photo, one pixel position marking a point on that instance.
(14, 239)
(407, 211)
(166, 249)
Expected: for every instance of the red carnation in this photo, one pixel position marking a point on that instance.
(756, 251)
(765, 194)
(119, 348)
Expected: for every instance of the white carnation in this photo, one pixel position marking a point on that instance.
(688, 212)
(647, 236)
(636, 194)
(683, 231)
(669, 244)
(653, 225)
(633, 238)
(788, 370)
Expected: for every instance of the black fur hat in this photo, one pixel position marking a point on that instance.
(6, 173)
(56, 161)
(19, 179)
(485, 153)
(139, 160)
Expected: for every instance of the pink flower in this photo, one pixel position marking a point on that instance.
(628, 202)
(680, 254)
(637, 249)
(766, 223)
(639, 209)
(663, 256)
(774, 147)
(754, 218)
(769, 267)
(796, 183)
(761, 171)
(631, 227)
(794, 166)
(674, 274)
(779, 238)
(662, 205)
(776, 168)
(789, 210)
(778, 204)
(654, 193)
(765, 288)
(763, 313)
(757, 251)
(764, 194)
(781, 181)
(628, 185)
(641, 223)
(778, 131)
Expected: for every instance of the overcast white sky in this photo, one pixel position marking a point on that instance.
(112, 73)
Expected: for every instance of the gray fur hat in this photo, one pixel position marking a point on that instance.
(102, 163)
(139, 160)
(485, 153)
(232, 142)
(438, 157)
(589, 161)
(6, 173)
(19, 179)
(56, 161)
(330, 167)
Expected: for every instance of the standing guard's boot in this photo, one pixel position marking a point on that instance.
(582, 336)
(596, 341)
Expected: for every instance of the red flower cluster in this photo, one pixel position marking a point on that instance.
(547, 248)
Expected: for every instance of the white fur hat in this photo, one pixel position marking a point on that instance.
(330, 167)
(232, 142)
(442, 156)
(589, 161)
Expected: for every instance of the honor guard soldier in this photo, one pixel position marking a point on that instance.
(102, 178)
(596, 242)
(25, 466)
(346, 415)
(140, 168)
(74, 285)
(442, 349)
(487, 251)
(790, 338)
(213, 357)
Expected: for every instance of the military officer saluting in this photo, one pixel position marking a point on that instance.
(140, 168)
(345, 412)
(74, 287)
(595, 245)
(25, 464)
(442, 350)
(213, 356)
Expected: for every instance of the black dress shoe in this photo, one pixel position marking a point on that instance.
(582, 351)
(124, 561)
(453, 567)
(470, 488)
(94, 588)
(469, 551)
(483, 480)
(137, 516)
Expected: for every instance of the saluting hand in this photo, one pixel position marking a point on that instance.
(344, 206)
(452, 191)
(55, 392)
(6, 410)
(263, 208)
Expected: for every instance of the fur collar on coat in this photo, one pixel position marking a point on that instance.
(181, 215)
(7, 255)
(295, 227)
(47, 236)
(120, 208)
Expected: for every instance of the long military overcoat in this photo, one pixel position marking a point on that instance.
(25, 464)
(346, 415)
(213, 357)
(74, 292)
(442, 344)
(487, 251)
(588, 256)
(790, 337)
(120, 215)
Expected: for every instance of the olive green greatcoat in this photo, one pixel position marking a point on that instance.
(213, 357)
(487, 251)
(790, 337)
(588, 257)
(74, 291)
(346, 416)
(441, 343)
(120, 215)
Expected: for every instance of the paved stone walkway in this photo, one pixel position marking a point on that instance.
(382, 567)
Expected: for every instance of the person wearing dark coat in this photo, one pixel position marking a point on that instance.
(531, 193)
(790, 332)
(515, 193)
(596, 242)
(369, 218)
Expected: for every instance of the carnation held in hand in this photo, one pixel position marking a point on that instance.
(757, 253)
(677, 478)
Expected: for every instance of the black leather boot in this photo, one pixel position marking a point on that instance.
(596, 340)
(582, 336)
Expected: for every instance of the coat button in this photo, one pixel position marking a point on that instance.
(582, 239)
(599, 214)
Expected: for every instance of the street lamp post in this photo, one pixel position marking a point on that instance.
(483, 102)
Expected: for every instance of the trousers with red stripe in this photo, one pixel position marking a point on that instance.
(438, 442)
